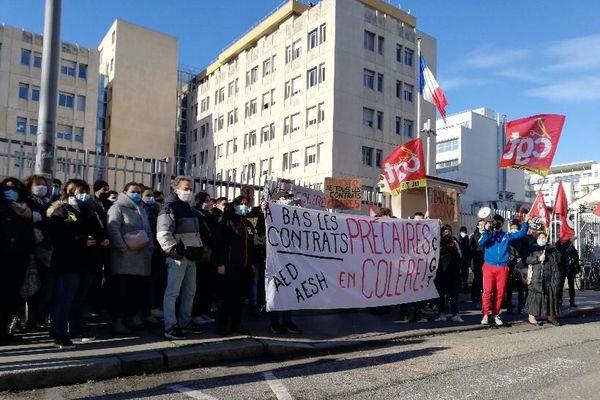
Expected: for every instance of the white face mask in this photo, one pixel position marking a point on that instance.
(186, 196)
(39, 190)
(463, 235)
(206, 206)
(542, 242)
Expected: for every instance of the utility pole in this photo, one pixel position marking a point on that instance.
(44, 157)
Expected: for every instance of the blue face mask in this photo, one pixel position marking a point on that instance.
(135, 197)
(149, 200)
(82, 197)
(11, 195)
(242, 210)
(55, 191)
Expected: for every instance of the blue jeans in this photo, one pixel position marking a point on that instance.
(70, 290)
(181, 279)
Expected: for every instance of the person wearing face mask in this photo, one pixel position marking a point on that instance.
(234, 259)
(55, 191)
(496, 243)
(39, 202)
(447, 280)
(78, 236)
(16, 245)
(465, 260)
(101, 190)
(205, 274)
(131, 248)
(178, 233)
(545, 281)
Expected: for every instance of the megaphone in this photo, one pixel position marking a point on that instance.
(484, 212)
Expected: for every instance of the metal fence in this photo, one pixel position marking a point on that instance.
(17, 158)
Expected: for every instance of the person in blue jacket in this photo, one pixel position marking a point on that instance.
(496, 244)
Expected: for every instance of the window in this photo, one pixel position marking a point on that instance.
(21, 125)
(368, 115)
(80, 103)
(68, 67)
(294, 159)
(266, 100)
(288, 54)
(295, 122)
(380, 82)
(321, 72)
(250, 108)
(37, 60)
(195, 134)
(296, 49)
(219, 151)
(398, 53)
(407, 128)
(266, 67)
(25, 57)
(369, 79)
(408, 92)
(66, 99)
(24, 91)
(296, 85)
(265, 134)
(272, 97)
(252, 139)
(273, 59)
(378, 158)
(408, 57)
(447, 145)
(321, 112)
(285, 161)
(251, 76)
(83, 72)
(205, 104)
(232, 88)
(219, 95)
(288, 89)
(310, 155)
(399, 89)
(311, 116)
(272, 131)
(380, 44)
(447, 166)
(79, 134)
(203, 130)
(311, 77)
(35, 93)
(313, 39)
(286, 126)
(398, 125)
(323, 33)
(64, 132)
(369, 41)
(33, 127)
(367, 156)
(194, 160)
(380, 120)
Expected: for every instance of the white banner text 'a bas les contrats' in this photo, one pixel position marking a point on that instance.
(322, 260)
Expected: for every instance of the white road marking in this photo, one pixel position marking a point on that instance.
(194, 394)
(277, 387)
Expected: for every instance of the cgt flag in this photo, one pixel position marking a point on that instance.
(539, 209)
(562, 210)
(404, 168)
(532, 142)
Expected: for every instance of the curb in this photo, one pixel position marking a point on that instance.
(67, 372)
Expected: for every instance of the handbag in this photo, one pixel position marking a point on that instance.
(136, 240)
(31, 284)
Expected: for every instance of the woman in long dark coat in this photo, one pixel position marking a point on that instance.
(545, 281)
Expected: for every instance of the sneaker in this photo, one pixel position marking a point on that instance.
(174, 333)
(484, 320)
(120, 328)
(157, 313)
(498, 321)
(290, 327)
(441, 318)
(277, 329)
(193, 328)
(457, 318)
(83, 337)
(64, 344)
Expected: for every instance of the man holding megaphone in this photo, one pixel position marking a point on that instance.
(496, 244)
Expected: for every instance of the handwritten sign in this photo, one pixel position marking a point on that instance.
(443, 204)
(273, 187)
(343, 194)
(322, 260)
(310, 198)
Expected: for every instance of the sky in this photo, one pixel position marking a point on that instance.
(516, 57)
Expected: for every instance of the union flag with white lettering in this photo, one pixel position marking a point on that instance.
(404, 168)
(532, 142)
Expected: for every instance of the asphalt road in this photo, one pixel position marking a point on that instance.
(519, 362)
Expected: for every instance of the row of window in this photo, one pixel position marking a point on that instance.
(447, 166)
(31, 92)
(403, 54)
(367, 156)
(67, 67)
(373, 119)
(447, 145)
(374, 81)
(64, 132)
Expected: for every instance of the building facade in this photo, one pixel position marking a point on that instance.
(311, 92)
(20, 75)
(469, 147)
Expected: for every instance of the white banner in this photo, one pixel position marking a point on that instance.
(322, 260)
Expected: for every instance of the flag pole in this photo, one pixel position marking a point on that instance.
(419, 124)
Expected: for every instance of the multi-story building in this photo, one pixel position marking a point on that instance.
(578, 178)
(20, 75)
(469, 147)
(312, 91)
(140, 66)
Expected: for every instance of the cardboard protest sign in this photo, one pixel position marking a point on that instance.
(322, 260)
(343, 194)
(443, 204)
(310, 198)
(273, 187)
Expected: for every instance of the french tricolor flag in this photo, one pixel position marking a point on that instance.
(430, 90)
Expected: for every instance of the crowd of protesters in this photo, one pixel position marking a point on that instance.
(137, 257)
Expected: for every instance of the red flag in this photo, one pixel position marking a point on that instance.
(561, 209)
(372, 211)
(532, 142)
(539, 209)
(404, 168)
(597, 210)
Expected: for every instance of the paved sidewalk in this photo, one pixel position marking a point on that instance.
(35, 363)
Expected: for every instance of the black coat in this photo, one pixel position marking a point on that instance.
(547, 277)
(16, 232)
(69, 230)
(234, 244)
